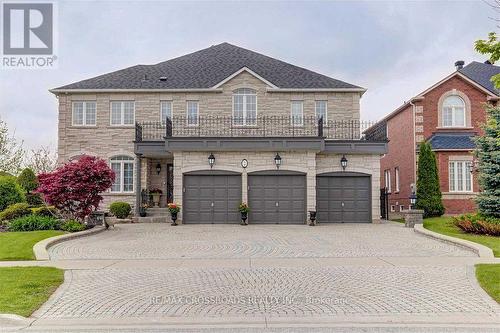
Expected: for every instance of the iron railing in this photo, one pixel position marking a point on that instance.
(262, 126)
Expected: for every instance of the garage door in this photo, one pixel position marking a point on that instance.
(277, 197)
(343, 198)
(211, 198)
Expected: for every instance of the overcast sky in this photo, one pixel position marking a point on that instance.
(394, 49)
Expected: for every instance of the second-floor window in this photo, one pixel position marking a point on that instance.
(122, 113)
(245, 107)
(165, 111)
(460, 177)
(297, 113)
(192, 113)
(453, 112)
(84, 113)
(321, 110)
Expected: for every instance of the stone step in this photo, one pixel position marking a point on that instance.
(155, 211)
(153, 219)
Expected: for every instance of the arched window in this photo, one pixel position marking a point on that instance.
(244, 107)
(453, 111)
(123, 166)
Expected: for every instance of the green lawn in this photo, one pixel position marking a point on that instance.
(25, 289)
(488, 276)
(19, 245)
(444, 225)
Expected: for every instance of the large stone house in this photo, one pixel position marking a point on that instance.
(226, 125)
(447, 115)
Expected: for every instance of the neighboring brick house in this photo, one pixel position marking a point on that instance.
(448, 115)
(226, 125)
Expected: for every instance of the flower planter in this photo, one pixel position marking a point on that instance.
(142, 212)
(174, 218)
(156, 199)
(244, 217)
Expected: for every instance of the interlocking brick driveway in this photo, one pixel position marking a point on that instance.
(387, 274)
(161, 241)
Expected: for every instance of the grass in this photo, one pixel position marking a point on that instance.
(445, 226)
(25, 289)
(488, 276)
(19, 245)
(398, 220)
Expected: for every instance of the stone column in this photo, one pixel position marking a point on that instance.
(413, 216)
(244, 186)
(138, 187)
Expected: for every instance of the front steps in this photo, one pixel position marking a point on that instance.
(155, 215)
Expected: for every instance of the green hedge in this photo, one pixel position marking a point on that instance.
(15, 211)
(120, 209)
(10, 192)
(72, 226)
(34, 222)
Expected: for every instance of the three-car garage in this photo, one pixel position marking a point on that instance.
(275, 197)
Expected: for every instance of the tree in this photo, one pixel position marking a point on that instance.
(42, 160)
(11, 151)
(491, 47)
(428, 191)
(74, 188)
(488, 153)
(27, 180)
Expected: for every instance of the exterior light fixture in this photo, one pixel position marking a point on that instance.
(158, 168)
(343, 162)
(211, 160)
(413, 200)
(277, 160)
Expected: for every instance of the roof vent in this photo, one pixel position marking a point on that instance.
(145, 78)
(459, 64)
(487, 62)
(163, 78)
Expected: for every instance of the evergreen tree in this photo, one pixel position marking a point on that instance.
(428, 191)
(488, 153)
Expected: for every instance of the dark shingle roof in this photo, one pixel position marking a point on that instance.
(481, 74)
(452, 141)
(206, 68)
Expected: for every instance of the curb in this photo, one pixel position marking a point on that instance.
(481, 250)
(40, 249)
(14, 322)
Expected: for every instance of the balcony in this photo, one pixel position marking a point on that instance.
(260, 127)
(262, 133)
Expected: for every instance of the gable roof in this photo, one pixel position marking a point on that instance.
(481, 73)
(452, 141)
(206, 68)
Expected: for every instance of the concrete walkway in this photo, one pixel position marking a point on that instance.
(265, 276)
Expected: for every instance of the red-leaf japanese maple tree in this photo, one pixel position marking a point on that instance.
(74, 188)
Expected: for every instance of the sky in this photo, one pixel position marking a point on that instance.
(393, 49)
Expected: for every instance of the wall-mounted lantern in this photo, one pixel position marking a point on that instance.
(413, 200)
(343, 162)
(277, 160)
(158, 168)
(211, 160)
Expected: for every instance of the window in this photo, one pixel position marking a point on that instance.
(401, 208)
(123, 166)
(393, 208)
(84, 113)
(460, 177)
(192, 113)
(297, 116)
(244, 107)
(321, 110)
(453, 112)
(122, 113)
(397, 179)
(165, 111)
(387, 178)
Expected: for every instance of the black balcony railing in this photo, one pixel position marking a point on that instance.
(263, 126)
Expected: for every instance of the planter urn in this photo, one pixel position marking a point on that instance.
(312, 217)
(244, 217)
(174, 217)
(142, 212)
(156, 199)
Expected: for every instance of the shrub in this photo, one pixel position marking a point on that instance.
(428, 191)
(14, 211)
(72, 226)
(34, 222)
(10, 192)
(75, 188)
(478, 224)
(44, 211)
(120, 209)
(27, 180)
(34, 199)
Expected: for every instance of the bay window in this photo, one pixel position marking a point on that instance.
(460, 177)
